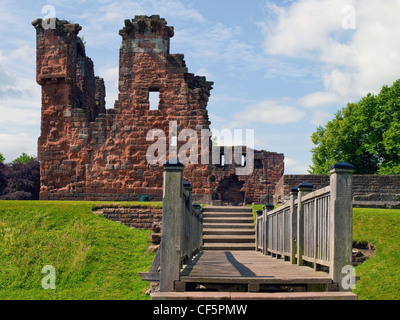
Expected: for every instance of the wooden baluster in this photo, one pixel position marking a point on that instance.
(304, 189)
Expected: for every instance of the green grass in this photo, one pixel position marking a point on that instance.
(94, 258)
(380, 275)
(255, 209)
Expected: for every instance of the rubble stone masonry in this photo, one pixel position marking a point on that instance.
(89, 153)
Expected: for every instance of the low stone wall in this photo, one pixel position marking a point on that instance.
(100, 196)
(368, 190)
(135, 217)
(288, 181)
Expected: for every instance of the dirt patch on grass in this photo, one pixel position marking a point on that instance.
(362, 251)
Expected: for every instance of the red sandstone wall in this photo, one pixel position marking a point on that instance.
(88, 154)
(229, 188)
(138, 217)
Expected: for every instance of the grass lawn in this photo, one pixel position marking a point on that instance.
(380, 275)
(94, 258)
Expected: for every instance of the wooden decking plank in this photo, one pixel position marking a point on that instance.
(246, 266)
(253, 296)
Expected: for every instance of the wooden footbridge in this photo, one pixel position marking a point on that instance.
(297, 251)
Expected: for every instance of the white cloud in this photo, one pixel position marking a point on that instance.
(295, 167)
(110, 75)
(203, 72)
(351, 62)
(12, 145)
(112, 12)
(320, 118)
(19, 105)
(304, 28)
(318, 99)
(270, 112)
(217, 43)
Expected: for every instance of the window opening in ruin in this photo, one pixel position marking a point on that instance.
(154, 99)
(258, 164)
(243, 160)
(222, 160)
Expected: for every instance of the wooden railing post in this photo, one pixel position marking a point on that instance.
(172, 225)
(341, 219)
(198, 228)
(293, 225)
(187, 243)
(304, 189)
(267, 208)
(260, 233)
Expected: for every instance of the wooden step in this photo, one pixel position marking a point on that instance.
(227, 220)
(228, 228)
(248, 226)
(227, 231)
(227, 209)
(229, 246)
(228, 215)
(332, 295)
(229, 238)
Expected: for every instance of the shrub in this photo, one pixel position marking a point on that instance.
(3, 178)
(17, 195)
(20, 181)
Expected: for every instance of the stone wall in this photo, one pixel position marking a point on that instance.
(288, 181)
(89, 153)
(134, 217)
(236, 189)
(368, 190)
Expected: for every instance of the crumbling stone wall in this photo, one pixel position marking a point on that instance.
(236, 189)
(90, 153)
(133, 217)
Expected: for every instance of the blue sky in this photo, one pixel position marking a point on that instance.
(280, 67)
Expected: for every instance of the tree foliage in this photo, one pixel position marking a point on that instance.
(2, 158)
(20, 180)
(365, 134)
(24, 159)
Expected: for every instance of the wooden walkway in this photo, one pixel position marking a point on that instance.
(222, 249)
(250, 275)
(252, 271)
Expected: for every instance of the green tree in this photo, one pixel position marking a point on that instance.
(24, 159)
(2, 158)
(365, 134)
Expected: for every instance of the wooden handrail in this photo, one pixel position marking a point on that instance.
(313, 228)
(181, 233)
(181, 226)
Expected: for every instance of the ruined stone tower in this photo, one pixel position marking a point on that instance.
(89, 153)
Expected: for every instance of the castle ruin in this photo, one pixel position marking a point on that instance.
(88, 152)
